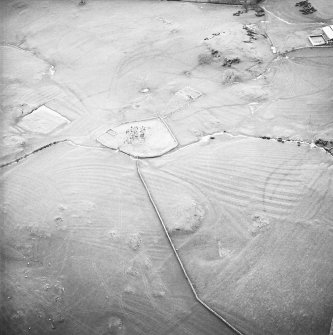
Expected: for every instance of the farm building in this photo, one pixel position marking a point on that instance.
(323, 39)
(328, 34)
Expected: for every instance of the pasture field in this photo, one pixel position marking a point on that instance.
(166, 169)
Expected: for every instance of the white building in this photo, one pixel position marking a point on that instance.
(328, 34)
(323, 39)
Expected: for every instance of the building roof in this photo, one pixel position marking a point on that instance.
(328, 31)
(317, 40)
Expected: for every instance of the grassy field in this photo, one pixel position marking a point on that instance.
(237, 113)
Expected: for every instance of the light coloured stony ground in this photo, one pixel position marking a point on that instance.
(243, 189)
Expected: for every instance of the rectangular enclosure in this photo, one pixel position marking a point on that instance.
(317, 40)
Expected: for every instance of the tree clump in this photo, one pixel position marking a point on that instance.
(306, 7)
(250, 32)
(217, 57)
(326, 144)
(227, 62)
(135, 134)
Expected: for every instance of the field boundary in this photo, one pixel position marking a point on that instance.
(178, 257)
